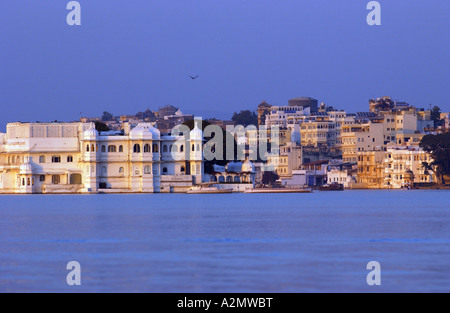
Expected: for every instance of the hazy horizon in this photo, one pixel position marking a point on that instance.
(130, 56)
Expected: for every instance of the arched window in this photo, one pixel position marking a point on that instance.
(237, 179)
(120, 148)
(112, 149)
(103, 149)
(147, 148)
(69, 159)
(56, 159)
(193, 147)
(137, 148)
(121, 170)
(182, 148)
(229, 179)
(164, 170)
(87, 148)
(147, 170)
(221, 179)
(155, 148)
(182, 170)
(165, 148)
(42, 159)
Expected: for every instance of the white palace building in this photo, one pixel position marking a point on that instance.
(75, 158)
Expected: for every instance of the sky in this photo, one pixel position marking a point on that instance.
(128, 56)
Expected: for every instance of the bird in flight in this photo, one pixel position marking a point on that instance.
(193, 77)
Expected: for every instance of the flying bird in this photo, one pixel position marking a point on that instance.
(193, 77)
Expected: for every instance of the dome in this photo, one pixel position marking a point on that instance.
(144, 131)
(196, 133)
(248, 167)
(234, 167)
(91, 133)
(26, 168)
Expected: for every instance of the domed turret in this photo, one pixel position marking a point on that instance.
(144, 131)
(196, 133)
(91, 133)
(26, 168)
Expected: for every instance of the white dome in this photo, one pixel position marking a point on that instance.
(91, 133)
(26, 168)
(248, 167)
(144, 131)
(196, 133)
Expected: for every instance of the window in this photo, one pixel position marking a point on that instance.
(42, 159)
(56, 179)
(56, 159)
(69, 159)
(165, 170)
(103, 149)
(103, 170)
(182, 148)
(182, 169)
(155, 148)
(112, 149)
(165, 148)
(87, 148)
(147, 170)
(147, 148)
(120, 148)
(198, 147)
(121, 170)
(42, 178)
(137, 148)
(193, 147)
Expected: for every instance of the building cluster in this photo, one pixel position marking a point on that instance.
(377, 149)
(141, 153)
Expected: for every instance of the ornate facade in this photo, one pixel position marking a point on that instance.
(76, 158)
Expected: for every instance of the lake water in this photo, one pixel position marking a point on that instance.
(318, 242)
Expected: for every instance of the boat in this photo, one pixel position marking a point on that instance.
(278, 190)
(332, 187)
(208, 189)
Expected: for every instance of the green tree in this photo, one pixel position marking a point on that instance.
(436, 116)
(439, 148)
(209, 165)
(245, 118)
(107, 116)
(101, 127)
(270, 178)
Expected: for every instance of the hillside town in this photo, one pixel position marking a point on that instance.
(318, 146)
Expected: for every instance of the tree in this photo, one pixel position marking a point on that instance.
(439, 148)
(245, 118)
(209, 165)
(107, 116)
(101, 127)
(270, 178)
(436, 116)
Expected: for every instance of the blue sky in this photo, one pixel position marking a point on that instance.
(130, 55)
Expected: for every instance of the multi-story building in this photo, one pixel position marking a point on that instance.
(282, 115)
(371, 169)
(318, 131)
(360, 137)
(408, 120)
(341, 119)
(403, 167)
(289, 159)
(76, 158)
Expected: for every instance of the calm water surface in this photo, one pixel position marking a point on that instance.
(227, 243)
